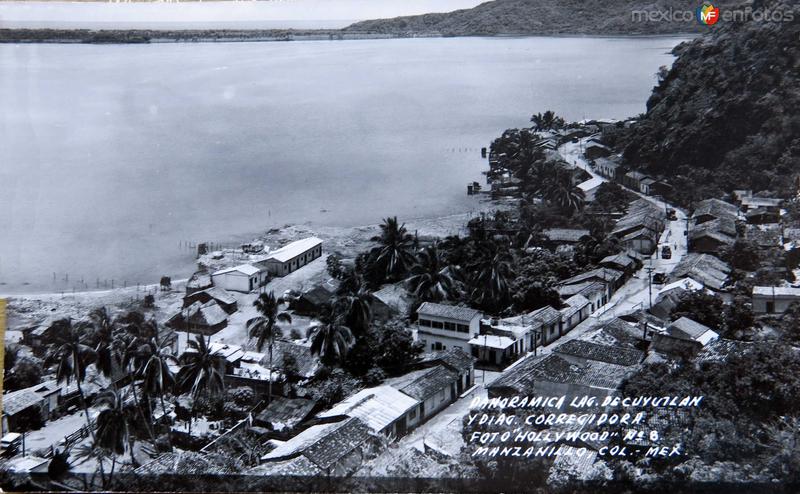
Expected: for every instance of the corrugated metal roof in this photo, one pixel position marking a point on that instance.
(295, 249)
(377, 407)
(246, 269)
(603, 353)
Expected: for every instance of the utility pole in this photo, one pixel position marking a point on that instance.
(649, 270)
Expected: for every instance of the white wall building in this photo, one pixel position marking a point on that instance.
(293, 256)
(243, 278)
(441, 327)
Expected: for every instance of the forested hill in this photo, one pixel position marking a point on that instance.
(727, 115)
(540, 17)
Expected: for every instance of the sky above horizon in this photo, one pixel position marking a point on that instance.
(265, 13)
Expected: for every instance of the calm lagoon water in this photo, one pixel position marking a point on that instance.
(111, 155)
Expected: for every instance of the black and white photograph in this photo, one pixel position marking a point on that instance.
(400, 246)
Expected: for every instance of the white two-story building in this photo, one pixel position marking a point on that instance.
(442, 327)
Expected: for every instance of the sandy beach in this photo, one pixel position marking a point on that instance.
(25, 310)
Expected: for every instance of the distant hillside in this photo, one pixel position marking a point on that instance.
(535, 17)
(726, 115)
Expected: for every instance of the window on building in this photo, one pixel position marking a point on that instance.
(463, 328)
(437, 325)
(425, 322)
(770, 307)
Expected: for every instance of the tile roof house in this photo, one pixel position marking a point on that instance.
(580, 350)
(336, 449)
(441, 327)
(621, 262)
(311, 302)
(283, 414)
(200, 318)
(447, 311)
(609, 277)
(553, 375)
(683, 335)
(389, 301)
(382, 408)
(712, 236)
(705, 269)
(434, 387)
(577, 309)
(618, 332)
(722, 349)
(222, 297)
(711, 209)
(189, 463)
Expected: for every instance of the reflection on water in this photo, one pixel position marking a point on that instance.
(111, 156)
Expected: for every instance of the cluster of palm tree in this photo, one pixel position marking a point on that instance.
(553, 182)
(547, 121)
(433, 273)
(128, 348)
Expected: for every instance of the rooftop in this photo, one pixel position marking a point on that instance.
(246, 269)
(455, 358)
(716, 208)
(620, 259)
(586, 288)
(492, 341)
(220, 294)
(603, 353)
(564, 234)
(338, 442)
(599, 274)
(776, 291)
(284, 413)
(686, 328)
(552, 368)
(448, 311)
(295, 249)
(377, 407)
(423, 383)
(706, 269)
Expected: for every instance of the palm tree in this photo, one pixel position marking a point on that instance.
(199, 373)
(107, 346)
(547, 120)
(355, 301)
(560, 191)
(431, 278)
(152, 367)
(265, 327)
(330, 338)
(393, 254)
(490, 283)
(72, 355)
(113, 426)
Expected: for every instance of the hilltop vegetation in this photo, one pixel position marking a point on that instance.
(538, 17)
(725, 116)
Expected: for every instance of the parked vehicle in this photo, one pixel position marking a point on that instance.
(666, 252)
(659, 278)
(671, 216)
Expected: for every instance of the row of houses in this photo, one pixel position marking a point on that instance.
(339, 440)
(575, 368)
(498, 342)
(640, 228)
